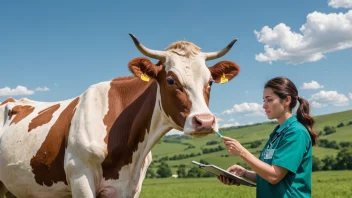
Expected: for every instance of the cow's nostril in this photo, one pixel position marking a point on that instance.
(203, 122)
(197, 121)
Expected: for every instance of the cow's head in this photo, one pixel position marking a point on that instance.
(185, 82)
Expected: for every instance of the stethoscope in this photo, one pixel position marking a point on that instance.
(278, 135)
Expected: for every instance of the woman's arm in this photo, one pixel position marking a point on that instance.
(272, 174)
(251, 175)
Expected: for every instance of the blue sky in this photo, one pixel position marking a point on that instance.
(51, 51)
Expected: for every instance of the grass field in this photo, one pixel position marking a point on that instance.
(329, 184)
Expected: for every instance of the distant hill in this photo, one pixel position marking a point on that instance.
(179, 149)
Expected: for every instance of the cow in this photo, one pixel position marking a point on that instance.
(98, 144)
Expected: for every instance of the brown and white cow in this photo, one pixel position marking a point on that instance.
(99, 143)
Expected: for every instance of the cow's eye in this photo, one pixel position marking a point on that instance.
(211, 83)
(170, 81)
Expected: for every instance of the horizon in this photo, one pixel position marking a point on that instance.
(258, 123)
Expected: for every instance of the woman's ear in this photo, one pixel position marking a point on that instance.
(288, 100)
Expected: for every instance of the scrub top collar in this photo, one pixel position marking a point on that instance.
(289, 121)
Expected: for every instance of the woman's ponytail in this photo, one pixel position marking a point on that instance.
(304, 118)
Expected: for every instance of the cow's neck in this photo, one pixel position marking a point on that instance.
(137, 127)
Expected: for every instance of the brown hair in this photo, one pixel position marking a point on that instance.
(284, 87)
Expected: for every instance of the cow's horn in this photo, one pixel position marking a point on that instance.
(160, 55)
(218, 54)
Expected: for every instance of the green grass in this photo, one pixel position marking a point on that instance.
(329, 184)
(333, 119)
(322, 152)
(342, 134)
(170, 149)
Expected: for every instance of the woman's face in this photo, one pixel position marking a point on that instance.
(273, 105)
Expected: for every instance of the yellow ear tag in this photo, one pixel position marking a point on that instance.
(223, 79)
(145, 77)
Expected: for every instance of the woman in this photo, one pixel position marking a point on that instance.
(284, 168)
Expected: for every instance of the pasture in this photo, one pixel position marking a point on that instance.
(329, 184)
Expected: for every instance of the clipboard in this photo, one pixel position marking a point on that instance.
(219, 171)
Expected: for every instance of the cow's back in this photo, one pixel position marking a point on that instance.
(33, 137)
(3, 111)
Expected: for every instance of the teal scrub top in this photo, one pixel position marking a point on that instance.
(290, 148)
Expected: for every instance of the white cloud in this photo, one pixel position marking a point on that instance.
(340, 3)
(231, 125)
(318, 105)
(321, 34)
(231, 120)
(219, 120)
(312, 85)
(257, 113)
(244, 107)
(329, 98)
(350, 95)
(42, 89)
(19, 90)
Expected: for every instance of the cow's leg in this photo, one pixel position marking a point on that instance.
(82, 184)
(80, 178)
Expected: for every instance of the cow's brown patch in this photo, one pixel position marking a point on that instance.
(20, 112)
(230, 69)
(43, 117)
(206, 94)
(139, 66)
(7, 100)
(131, 104)
(48, 163)
(175, 95)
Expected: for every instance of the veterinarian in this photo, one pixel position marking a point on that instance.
(284, 167)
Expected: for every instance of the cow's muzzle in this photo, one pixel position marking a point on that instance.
(203, 123)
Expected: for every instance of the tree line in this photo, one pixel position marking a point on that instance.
(342, 161)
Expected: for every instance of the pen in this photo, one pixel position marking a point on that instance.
(217, 133)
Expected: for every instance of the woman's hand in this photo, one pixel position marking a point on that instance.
(227, 181)
(235, 169)
(233, 146)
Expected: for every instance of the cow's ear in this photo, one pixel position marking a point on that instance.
(144, 69)
(224, 71)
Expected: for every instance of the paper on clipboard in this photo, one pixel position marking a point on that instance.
(219, 171)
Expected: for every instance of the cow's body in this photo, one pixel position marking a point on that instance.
(86, 146)
(98, 144)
